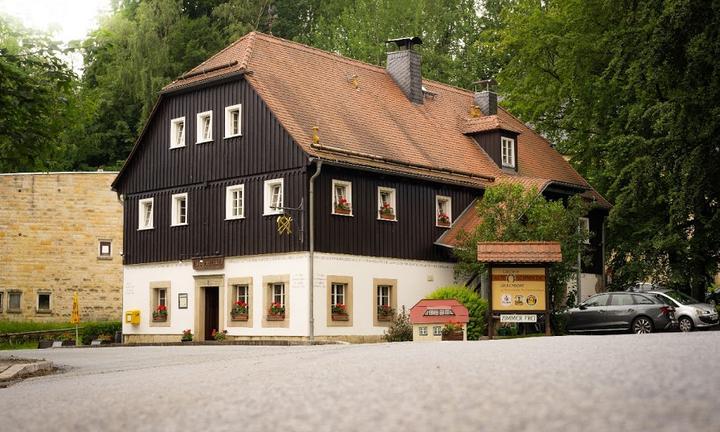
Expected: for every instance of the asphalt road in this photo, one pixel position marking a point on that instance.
(657, 382)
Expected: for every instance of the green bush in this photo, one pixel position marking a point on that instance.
(91, 331)
(400, 329)
(477, 307)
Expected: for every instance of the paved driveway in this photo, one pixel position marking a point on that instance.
(657, 382)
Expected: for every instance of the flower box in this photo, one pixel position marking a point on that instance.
(385, 318)
(443, 224)
(387, 216)
(159, 318)
(276, 317)
(342, 211)
(456, 335)
(340, 317)
(239, 317)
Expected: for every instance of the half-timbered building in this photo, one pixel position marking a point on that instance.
(278, 190)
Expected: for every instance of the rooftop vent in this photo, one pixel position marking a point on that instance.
(403, 65)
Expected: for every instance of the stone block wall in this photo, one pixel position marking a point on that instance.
(50, 228)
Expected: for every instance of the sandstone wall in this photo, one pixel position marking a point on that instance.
(50, 228)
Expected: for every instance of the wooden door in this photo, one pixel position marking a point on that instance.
(212, 311)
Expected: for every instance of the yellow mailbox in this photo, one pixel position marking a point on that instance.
(132, 317)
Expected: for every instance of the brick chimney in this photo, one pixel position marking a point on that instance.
(486, 98)
(403, 66)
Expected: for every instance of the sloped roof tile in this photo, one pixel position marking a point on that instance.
(519, 252)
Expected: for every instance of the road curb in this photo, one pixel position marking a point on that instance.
(17, 371)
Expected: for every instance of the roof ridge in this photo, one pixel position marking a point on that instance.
(249, 50)
(250, 35)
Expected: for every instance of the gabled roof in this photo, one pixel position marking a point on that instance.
(519, 252)
(418, 314)
(364, 119)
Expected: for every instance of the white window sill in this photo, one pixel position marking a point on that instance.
(177, 147)
(178, 225)
(234, 218)
(387, 220)
(342, 214)
(273, 214)
(508, 166)
(145, 228)
(232, 136)
(204, 141)
(437, 225)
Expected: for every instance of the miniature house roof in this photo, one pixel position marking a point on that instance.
(428, 311)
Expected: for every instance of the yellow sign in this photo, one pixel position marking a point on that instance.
(284, 224)
(518, 289)
(75, 316)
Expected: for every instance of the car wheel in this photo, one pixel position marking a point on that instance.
(685, 324)
(642, 325)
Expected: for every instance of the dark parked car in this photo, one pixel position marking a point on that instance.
(713, 298)
(637, 312)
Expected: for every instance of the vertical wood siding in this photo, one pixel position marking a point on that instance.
(411, 237)
(263, 147)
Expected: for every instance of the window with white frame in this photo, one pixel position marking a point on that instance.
(507, 147)
(337, 294)
(14, 301)
(277, 293)
(105, 249)
(437, 331)
(386, 204)
(422, 331)
(383, 295)
(160, 297)
(585, 227)
(177, 132)
(179, 209)
(232, 121)
(43, 302)
(145, 213)
(235, 202)
(342, 198)
(242, 293)
(204, 127)
(443, 211)
(273, 197)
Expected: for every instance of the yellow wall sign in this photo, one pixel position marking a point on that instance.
(518, 289)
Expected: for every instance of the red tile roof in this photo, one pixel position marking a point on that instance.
(519, 252)
(417, 312)
(364, 118)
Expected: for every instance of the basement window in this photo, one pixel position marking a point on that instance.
(204, 127)
(443, 211)
(342, 198)
(235, 202)
(273, 197)
(177, 132)
(145, 214)
(232, 121)
(386, 204)
(507, 147)
(179, 209)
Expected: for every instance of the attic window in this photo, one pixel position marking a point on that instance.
(507, 147)
(204, 127)
(177, 132)
(439, 312)
(232, 121)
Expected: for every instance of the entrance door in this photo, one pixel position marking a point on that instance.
(212, 311)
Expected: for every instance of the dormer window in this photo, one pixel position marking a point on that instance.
(507, 149)
(232, 121)
(177, 132)
(204, 127)
(443, 211)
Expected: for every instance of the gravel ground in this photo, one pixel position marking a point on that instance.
(657, 382)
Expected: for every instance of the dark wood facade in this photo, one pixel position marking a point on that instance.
(490, 142)
(411, 237)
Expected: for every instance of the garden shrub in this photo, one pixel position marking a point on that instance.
(476, 305)
(400, 329)
(91, 331)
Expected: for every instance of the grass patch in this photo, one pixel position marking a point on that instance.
(24, 326)
(17, 346)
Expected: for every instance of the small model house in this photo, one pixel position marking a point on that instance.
(435, 320)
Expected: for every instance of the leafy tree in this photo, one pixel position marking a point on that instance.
(476, 305)
(511, 213)
(631, 91)
(37, 89)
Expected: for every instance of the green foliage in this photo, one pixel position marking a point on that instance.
(477, 307)
(26, 326)
(630, 91)
(400, 329)
(511, 213)
(91, 331)
(37, 88)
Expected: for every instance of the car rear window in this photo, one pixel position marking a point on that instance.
(640, 299)
(620, 300)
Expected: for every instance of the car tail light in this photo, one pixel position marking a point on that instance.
(667, 310)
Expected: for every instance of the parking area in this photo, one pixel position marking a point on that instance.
(658, 382)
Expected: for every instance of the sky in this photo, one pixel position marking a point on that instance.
(66, 19)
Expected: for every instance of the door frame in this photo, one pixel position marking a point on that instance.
(200, 283)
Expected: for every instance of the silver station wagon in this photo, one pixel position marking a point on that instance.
(639, 313)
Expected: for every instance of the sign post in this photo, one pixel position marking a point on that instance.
(518, 281)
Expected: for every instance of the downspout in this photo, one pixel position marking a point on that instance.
(604, 273)
(311, 241)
